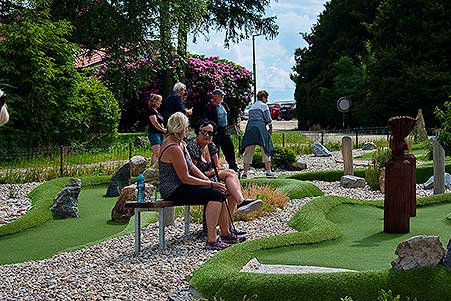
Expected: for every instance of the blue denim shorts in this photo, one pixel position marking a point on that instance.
(155, 139)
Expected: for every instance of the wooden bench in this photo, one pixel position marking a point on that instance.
(159, 205)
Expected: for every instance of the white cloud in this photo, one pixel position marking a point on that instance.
(274, 58)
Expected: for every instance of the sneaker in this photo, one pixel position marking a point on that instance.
(244, 175)
(270, 175)
(232, 238)
(248, 206)
(237, 232)
(216, 245)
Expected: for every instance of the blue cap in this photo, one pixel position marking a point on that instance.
(218, 92)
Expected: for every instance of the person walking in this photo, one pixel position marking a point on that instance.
(217, 111)
(258, 132)
(155, 129)
(175, 102)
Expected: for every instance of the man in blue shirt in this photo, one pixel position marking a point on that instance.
(217, 111)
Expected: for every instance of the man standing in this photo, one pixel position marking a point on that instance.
(175, 103)
(217, 111)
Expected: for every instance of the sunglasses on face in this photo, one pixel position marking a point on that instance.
(206, 132)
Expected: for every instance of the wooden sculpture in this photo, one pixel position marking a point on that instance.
(400, 175)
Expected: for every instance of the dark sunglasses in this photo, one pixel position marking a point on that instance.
(205, 132)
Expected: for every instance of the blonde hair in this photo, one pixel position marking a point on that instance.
(178, 124)
(153, 98)
(4, 116)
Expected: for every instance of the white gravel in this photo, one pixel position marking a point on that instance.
(110, 271)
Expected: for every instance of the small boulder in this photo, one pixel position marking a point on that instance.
(382, 180)
(65, 203)
(128, 194)
(152, 175)
(320, 150)
(369, 146)
(121, 178)
(137, 165)
(429, 184)
(349, 181)
(296, 166)
(418, 252)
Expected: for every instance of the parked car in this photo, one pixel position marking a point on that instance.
(274, 109)
(288, 110)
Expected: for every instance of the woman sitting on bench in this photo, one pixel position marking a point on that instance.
(204, 154)
(181, 180)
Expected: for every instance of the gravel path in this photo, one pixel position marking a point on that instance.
(110, 271)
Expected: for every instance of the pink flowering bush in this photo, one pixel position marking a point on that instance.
(132, 80)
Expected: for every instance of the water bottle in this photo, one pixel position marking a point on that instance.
(140, 184)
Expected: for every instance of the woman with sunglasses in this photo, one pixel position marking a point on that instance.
(204, 154)
(182, 181)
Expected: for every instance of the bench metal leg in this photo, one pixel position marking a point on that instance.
(137, 231)
(187, 222)
(162, 244)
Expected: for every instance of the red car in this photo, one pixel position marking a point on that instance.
(274, 109)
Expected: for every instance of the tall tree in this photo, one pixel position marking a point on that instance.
(411, 66)
(339, 32)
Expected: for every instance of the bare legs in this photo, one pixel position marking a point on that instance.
(232, 183)
(216, 213)
(155, 153)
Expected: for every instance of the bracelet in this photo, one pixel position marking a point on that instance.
(211, 184)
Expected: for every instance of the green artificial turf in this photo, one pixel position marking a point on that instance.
(56, 235)
(362, 245)
(220, 276)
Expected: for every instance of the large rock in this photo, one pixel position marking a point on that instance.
(320, 150)
(296, 166)
(65, 203)
(128, 194)
(429, 184)
(349, 181)
(369, 146)
(382, 180)
(121, 178)
(418, 252)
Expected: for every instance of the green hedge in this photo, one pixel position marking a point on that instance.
(220, 278)
(42, 199)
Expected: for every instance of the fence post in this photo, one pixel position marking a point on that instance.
(129, 149)
(283, 139)
(356, 138)
(322, 137)
(61, 161)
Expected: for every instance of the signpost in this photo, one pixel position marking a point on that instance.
(344, 105)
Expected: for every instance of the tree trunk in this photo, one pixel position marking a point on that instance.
(182, 45)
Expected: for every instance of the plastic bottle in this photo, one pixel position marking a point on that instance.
(140, 184)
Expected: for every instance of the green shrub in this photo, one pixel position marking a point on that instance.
(282, 156)
(380, 157)
(443, 134)
(257, 160)
(333, 145)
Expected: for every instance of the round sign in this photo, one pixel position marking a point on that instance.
(344, 104)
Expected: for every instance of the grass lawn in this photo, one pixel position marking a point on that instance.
(54, 236)
(363, 244)
(418, 150)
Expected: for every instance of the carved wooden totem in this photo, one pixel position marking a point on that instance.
(400, 175)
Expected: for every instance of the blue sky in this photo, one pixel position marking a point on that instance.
(274, 58)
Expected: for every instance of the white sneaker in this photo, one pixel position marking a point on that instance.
(270, 175)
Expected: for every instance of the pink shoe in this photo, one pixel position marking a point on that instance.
(216, 245)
